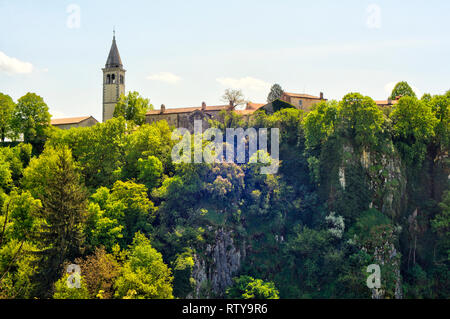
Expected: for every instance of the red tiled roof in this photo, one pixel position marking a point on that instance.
(187, 109)
(250, 108)
(69, 120)
(301, 95)
(386, 102)
(254, 106)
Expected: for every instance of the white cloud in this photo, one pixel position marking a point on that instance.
(57, 114)
(245, 83)
(14, 66)
(166, 77)
(390, 86)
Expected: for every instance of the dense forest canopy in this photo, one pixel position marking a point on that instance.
(357, 185)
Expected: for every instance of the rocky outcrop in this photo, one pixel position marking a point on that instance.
(386, 177)
(214, 269)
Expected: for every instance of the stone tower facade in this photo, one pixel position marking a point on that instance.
(113, 81)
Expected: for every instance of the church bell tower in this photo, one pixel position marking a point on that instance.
(113, 81)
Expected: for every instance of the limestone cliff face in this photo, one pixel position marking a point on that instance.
(214, 269)
(386, 179)
(385, 175)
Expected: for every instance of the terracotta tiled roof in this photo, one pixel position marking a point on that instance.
(69, 120)
(254, 106)
(250, 108)
(301, 95)
(386, 102)
(187, 109)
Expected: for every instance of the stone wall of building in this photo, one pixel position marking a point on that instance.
(172, 119)
(184, 119)
(306, 104)
(112, 90)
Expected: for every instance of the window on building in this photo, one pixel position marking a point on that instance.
(121, 79)
(300, 102)
(108, 79)
(113, 78)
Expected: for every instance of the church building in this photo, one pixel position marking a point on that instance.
(114, 87)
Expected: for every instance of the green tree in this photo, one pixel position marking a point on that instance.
(99, 150)
(132, 107)
(5, 173)
(17, 224)
(320, 123)
(402, 89)
(21, 209)
(246, 287)
(148, 140)
(127, 203)
(63, 197)
(144, 274)
(311, 262)
(413, 125)
(17, 268)
(229, 119)
(31, 117)
(18, 158)
(102, 229)
(360, 118)
(64, 291)
(6, 113)
(440, 105)
(182, 267)
(426, 97)
(275, 93)
(150, 171)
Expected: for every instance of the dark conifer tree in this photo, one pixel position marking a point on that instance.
(64, 212)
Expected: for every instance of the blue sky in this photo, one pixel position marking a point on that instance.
(181, 53)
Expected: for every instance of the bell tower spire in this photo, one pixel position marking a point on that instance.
(113, 80)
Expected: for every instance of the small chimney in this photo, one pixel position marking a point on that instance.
(203, 106)
(163, 108)
(389, 100)
(321, 95)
